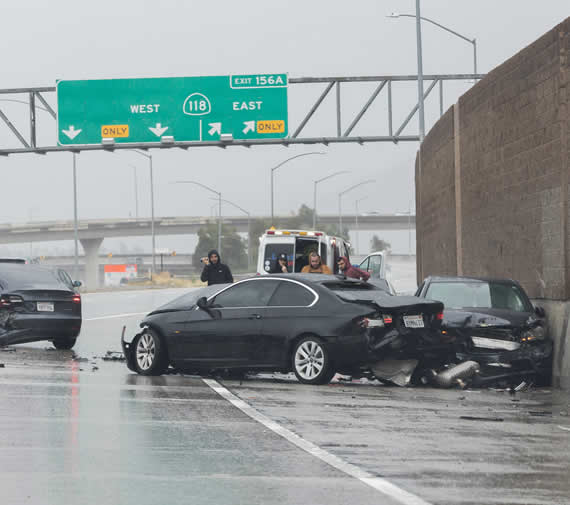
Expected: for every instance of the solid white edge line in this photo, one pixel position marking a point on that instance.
(378, 483)
(130, 314)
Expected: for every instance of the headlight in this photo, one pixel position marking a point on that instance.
(537, 333)
(493, 343)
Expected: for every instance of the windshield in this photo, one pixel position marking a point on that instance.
(487, 295)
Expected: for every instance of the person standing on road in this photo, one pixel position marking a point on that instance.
(316, 265)
(280, 266)
(348, 270)
(215, 272)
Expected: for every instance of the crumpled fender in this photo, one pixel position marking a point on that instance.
(129, 350)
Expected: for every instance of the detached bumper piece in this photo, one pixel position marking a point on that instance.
(128, 351)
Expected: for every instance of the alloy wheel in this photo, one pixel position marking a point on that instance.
(146, 351)
(309, 360)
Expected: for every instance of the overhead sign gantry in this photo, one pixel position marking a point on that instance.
(181, 109)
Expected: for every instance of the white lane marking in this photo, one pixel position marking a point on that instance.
(378, 483)
(564, 428)
(130, 314)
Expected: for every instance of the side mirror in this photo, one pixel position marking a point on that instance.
(76, 284)
(202, 303)
(540, 312)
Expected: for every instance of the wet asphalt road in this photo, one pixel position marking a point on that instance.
(76, 429)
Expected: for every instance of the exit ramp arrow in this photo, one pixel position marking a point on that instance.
(249, 126)
(158, 130)
(215, 128)
(72, 132)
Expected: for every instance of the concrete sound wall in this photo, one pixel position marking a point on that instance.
(492, 176)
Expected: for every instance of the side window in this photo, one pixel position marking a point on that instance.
(254, 293)
(290, 294)
(375, 264)
(364, 264)
(65, 278)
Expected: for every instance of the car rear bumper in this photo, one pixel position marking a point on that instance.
(47, 326)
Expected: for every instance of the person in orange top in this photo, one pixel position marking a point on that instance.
(315, 265)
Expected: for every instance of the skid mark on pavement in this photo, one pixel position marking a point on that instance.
(382, 485)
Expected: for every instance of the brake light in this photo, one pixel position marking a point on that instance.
(270, 232)
(76, 299)
(318, 234)
(387, 318)
(7, 301)
(439, 316)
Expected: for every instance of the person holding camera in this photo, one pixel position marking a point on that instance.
(214, 271)
(280, 266)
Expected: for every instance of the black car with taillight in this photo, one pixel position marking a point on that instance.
(38, 303)
(311, 324)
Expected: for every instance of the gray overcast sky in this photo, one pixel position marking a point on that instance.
(44, 41)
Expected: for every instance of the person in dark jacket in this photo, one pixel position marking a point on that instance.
(215, 272)
(280, 266)
(348, 270)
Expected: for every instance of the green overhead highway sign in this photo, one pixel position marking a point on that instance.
(184, 108)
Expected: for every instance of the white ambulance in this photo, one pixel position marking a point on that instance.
(297, 245)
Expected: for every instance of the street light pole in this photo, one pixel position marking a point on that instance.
(149, 157)
(420, 72)
(357, 248)
(315, 194)
(75, 223)
(219, 208)
(339, 201)
(275, 168)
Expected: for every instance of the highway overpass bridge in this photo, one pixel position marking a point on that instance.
(92, 232)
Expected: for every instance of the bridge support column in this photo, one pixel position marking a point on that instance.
(91, 248)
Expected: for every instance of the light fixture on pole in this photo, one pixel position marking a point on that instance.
(315, 193)
(149, 157)
(248, 230)
(357, 248)
(275, 168)
(339, 201)
(219, 208)
(467, 39)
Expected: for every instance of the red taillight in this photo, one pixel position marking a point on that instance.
(10, 300)
(387, 318)
(270, 233)
(318, 234)
(76, 299)
(439, 316)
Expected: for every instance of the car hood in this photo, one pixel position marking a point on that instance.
(486, 318)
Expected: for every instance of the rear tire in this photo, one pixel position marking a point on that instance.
(151, 357)
(311, 361)
(64, 343)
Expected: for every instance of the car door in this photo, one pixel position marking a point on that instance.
(288, 314)
(225, 335)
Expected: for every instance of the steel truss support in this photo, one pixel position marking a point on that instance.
(31, 96)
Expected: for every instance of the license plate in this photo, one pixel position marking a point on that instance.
(414, 321)
(45, 306)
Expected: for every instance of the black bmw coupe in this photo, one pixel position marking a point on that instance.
(314, 325)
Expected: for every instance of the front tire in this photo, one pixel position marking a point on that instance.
(64, 343)
(151, 357)
(311, 361)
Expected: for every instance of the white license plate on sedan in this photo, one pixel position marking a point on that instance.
(414, 321)
(45, 306)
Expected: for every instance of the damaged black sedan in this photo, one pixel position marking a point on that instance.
(38, 303)
(313, 325)
(495, 328)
